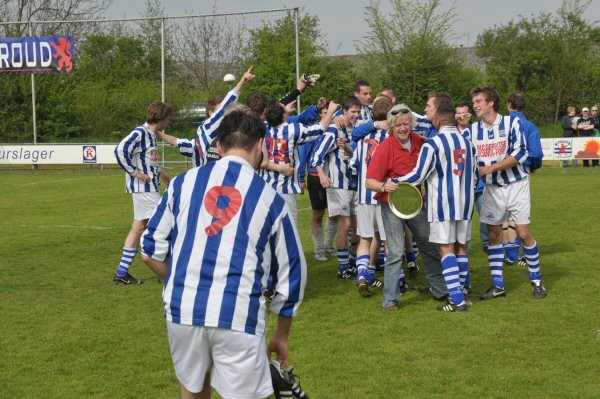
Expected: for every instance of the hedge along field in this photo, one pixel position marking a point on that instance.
(68, 331)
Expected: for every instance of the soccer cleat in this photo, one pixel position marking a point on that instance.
(404, 288)
(467, 290)
(345, 275)
(522, 262)
(352, 270)
(376, 283)
(286, 385)
(509, 261)
(320, 257)
(269, 295)
(539, 291)
(126, 279)
(492, 293)
(363, 287)
(310, 79)
(450, 307)
(331, 251)
(413, 269)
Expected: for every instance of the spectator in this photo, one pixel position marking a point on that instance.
(585, 128)
(569, 125)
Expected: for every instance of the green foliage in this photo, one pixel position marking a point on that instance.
(552, 58)
(68, 331)
(409, 50)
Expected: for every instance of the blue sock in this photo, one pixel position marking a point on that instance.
(411, 256)
(352, 257)
(451, 276)
(415, 248)
(496, 260)
(362, 263)
(126, 259)
(371, 273)
(343, 259)
(532, 255)
(463, 270)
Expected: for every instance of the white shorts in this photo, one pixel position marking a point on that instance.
(237, 361)
(501, 203)
(144, 205)
(290, 200)
(369, 221)
(341, 202)
(450, 231)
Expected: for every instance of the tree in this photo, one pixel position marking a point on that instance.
(409, 49)
(273, 54)
(551, 57)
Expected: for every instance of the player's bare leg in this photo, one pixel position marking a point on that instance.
(205, 393)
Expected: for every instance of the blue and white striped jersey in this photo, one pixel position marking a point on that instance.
(223, 230)
(333, 159)
(365, 148)
(505, 138)
(366, 114)
(207, 131)
(424, 126)
(138, 152)
(283, 147)
(449, 164)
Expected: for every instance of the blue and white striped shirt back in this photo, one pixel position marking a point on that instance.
(333, 159)
(224, 230)
(365, 148)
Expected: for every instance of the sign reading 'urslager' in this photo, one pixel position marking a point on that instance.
(39, 54)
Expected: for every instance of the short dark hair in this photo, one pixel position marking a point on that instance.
(463, 104)
(440, 98)
(381, 107)
(389, 89)
(275, 112)
(445, 114)
(257, 102)
(240, 130)
(489, 93)
(360, 83)
(351, 101)
(214, 103)
(517, 101)
(159, 111)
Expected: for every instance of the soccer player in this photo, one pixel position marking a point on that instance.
(282, 141)
(448, 163)
(395, 157)
(341, 200)
(137, 155)
(369, 222)
(502, 152)
(198, 148)
(217, 233)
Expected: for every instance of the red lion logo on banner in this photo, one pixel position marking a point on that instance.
(64, 54)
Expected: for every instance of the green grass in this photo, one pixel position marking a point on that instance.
(68, 331)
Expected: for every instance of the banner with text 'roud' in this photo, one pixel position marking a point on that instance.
(39, 54)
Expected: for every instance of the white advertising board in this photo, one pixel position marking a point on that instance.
(57, 154)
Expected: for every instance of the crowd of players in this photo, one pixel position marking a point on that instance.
(351, 160)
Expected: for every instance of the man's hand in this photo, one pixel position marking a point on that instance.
(247, 77)
(166, 178)
(286, 169)
(325, 181)
(144, 177)
(321, 103)
(390, 186)
(484, 170)
(302, 85)
(339, 122)
(291, 107)
(302, 187)
(279, 345)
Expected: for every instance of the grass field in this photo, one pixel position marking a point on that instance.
(68, 332)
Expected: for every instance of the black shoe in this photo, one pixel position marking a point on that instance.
(467, 291)
(492, 293)
(462, 307)
(522, 261)
(352, 270)
(404, 288)
(126, 279)
(286, 385)
(345, 275)
(269, 295)
(363, 288)
(375, 283)
(413, 270)
(539, 291)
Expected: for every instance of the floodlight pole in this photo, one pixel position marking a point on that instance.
(162, 74)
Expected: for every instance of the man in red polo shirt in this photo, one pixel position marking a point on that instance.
(395, 157)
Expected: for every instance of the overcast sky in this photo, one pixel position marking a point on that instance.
(342, 21)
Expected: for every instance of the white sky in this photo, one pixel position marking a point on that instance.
(342, 21)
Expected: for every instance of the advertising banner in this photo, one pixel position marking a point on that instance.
(57, 154)
(39, 54)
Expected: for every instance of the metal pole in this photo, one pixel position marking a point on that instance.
(33, 110)
(162, 73)
(296, 12)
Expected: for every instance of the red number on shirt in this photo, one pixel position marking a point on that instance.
(373, 143)
(281, 145)
(459, 160)
(222, 202)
